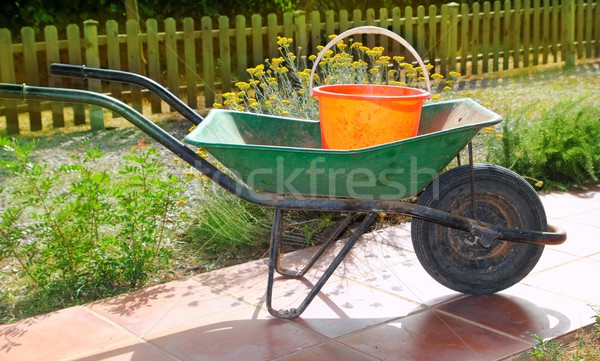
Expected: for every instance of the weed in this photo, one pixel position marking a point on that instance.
(546, 350)
(76, 234)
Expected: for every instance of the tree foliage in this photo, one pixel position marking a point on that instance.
(39, 13)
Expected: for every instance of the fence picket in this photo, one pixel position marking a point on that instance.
(113, 54)
(272, 33)
(526, 32)
(208, 61)
(257, 39)
(92, 58)
(485, 37)
(225, 53)
(74, 54)
(153, 60)
(329, 22)
(241, 47)
(588, 28)
(433, 44)
(545, 31)
(189, 62)
(464, 38)
(506, 35)
(301, 36)
(516, 34)
(53, 56)
(315, 30)
(475, 40)
(579, 30)
(496, 31)
(7, 75)
(32, 75)
(171, 57)
(134, 63)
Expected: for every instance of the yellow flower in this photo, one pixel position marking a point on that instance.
(332, 36)
(242, 85)
(499, 135)
(539, 184)
(454, 74)
(312, 58)
(447, 88)
(217, 105)
(437, 76)
(398, 59)
(435, 96)
(341, 46)
(356, 44)
(284, 42)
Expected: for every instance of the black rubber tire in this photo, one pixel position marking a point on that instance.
(452, 257)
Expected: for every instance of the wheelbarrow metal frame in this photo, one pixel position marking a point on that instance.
(484, 233)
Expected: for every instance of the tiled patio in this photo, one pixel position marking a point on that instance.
(380, 304)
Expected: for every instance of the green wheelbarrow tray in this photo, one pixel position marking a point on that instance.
(284, 155)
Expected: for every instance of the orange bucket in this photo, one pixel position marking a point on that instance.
(356, 116)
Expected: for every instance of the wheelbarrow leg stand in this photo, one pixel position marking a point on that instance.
(274, 258)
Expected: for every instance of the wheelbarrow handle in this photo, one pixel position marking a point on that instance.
(82, 71)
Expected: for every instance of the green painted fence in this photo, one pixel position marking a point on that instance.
(197, 59)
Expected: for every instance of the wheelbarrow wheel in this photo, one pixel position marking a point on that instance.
(453, 257)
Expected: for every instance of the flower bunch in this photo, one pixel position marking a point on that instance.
(281, 86)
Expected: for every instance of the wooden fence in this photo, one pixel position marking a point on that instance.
(199, 59)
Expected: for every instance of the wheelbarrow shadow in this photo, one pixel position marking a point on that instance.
(468, 326)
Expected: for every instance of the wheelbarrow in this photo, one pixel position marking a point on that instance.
(476, 228)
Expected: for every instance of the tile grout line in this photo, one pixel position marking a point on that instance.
(482, 326)
(123, 329)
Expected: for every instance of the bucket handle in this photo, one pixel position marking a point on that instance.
(369, 30)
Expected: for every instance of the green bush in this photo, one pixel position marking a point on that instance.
(557, 148)
(75, 234)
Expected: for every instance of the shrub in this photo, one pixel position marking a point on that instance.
(77, 233)
(558, 148)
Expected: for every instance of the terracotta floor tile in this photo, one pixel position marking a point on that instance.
(58, 335)
(431, 335)
(561, 205)
(522, 312)
(140, 350)
(345, 306)
(552, 257)
(370, 253)
(590, 217)
(408, 280)
(242, 334)
(331, 351)
(164, 306)
(576, 280)
(580, 239)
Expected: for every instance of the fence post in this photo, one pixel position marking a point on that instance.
(568, 48)
(7, 75)
(92, 58)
